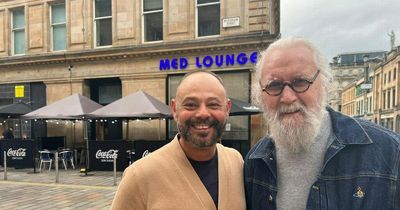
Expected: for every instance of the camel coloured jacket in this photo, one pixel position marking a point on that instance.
(166, 180)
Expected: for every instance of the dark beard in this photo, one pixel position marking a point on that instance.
(198, 140)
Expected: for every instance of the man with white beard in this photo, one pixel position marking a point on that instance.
(314, 157)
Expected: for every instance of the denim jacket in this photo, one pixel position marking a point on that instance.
(361, 170)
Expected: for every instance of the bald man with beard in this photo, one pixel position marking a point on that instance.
(193, 171)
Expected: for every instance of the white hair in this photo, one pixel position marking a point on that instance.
(320, 61)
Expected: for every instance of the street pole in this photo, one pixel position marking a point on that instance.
(5, 165)
(56, 167)
(365, 58)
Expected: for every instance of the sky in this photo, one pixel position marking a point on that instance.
(341, 26)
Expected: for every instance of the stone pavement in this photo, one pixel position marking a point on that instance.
(24, 189)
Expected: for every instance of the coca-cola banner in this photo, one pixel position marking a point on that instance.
(19, 153)
(102, 154)
(144, 147)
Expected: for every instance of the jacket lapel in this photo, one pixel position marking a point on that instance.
(223, 181)
(189, 175)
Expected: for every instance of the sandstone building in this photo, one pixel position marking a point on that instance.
(380, 104)
(107, 49)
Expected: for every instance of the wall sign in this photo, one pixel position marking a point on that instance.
(230, 22)
(102, 154)
(19, 91)
(209, 61)
(19, 154)
(144, 148)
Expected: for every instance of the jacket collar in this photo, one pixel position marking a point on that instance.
(347, 131)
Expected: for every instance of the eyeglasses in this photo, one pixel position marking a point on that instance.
(275, 87)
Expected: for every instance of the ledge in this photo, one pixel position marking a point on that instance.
(258, 40)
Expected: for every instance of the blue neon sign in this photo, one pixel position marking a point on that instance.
(209, 61)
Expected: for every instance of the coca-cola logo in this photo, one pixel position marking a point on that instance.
(145, 153)
(20, 152)
(110, 154)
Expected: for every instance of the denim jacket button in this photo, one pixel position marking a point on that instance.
(315, 187)
(271, 158)
(270, 199)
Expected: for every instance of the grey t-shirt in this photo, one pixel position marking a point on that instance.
(297, 172)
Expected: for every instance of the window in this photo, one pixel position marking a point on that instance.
(384, 79)
(153, 20)
(377, 79)
(103, 23)
(237, 86)
(394, 74)
(370, 105)
(18, 32)
(389, 75)
(394, 97)
(361, 107)
(389, 123)
(208, 17)
(384, 100)
(58, 29)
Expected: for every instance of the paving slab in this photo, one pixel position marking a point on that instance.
(25, 189)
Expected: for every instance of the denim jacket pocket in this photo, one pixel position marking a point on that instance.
(262, 197)
(367, 192)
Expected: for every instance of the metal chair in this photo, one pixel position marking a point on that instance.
(45, 158)
(131, 156)
(66, 156)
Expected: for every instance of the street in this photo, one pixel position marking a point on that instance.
(26, 190)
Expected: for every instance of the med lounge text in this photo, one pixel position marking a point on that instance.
(208, 61)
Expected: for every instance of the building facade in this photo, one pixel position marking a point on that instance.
(107, 49)
(349, 99)
(346, 68)
(381, 103)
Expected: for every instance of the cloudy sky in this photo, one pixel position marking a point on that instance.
(342, 25)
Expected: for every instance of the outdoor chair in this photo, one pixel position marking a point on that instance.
(131, 156)
(45, 158)
(67, 156)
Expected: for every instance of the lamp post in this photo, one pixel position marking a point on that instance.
(366, 85)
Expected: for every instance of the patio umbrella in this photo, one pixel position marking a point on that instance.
(14, 110)
(72, 107)
(138, 105)
(243, 108)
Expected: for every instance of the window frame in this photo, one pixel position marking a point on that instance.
(238, 120)
(394, 97)
(394, 74)
(57, 24)
(384, 78)
(143, 22)
(13, 30)
(95, 19)
(197, 19)
(384, 100)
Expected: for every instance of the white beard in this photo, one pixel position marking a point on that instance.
(296, 134)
